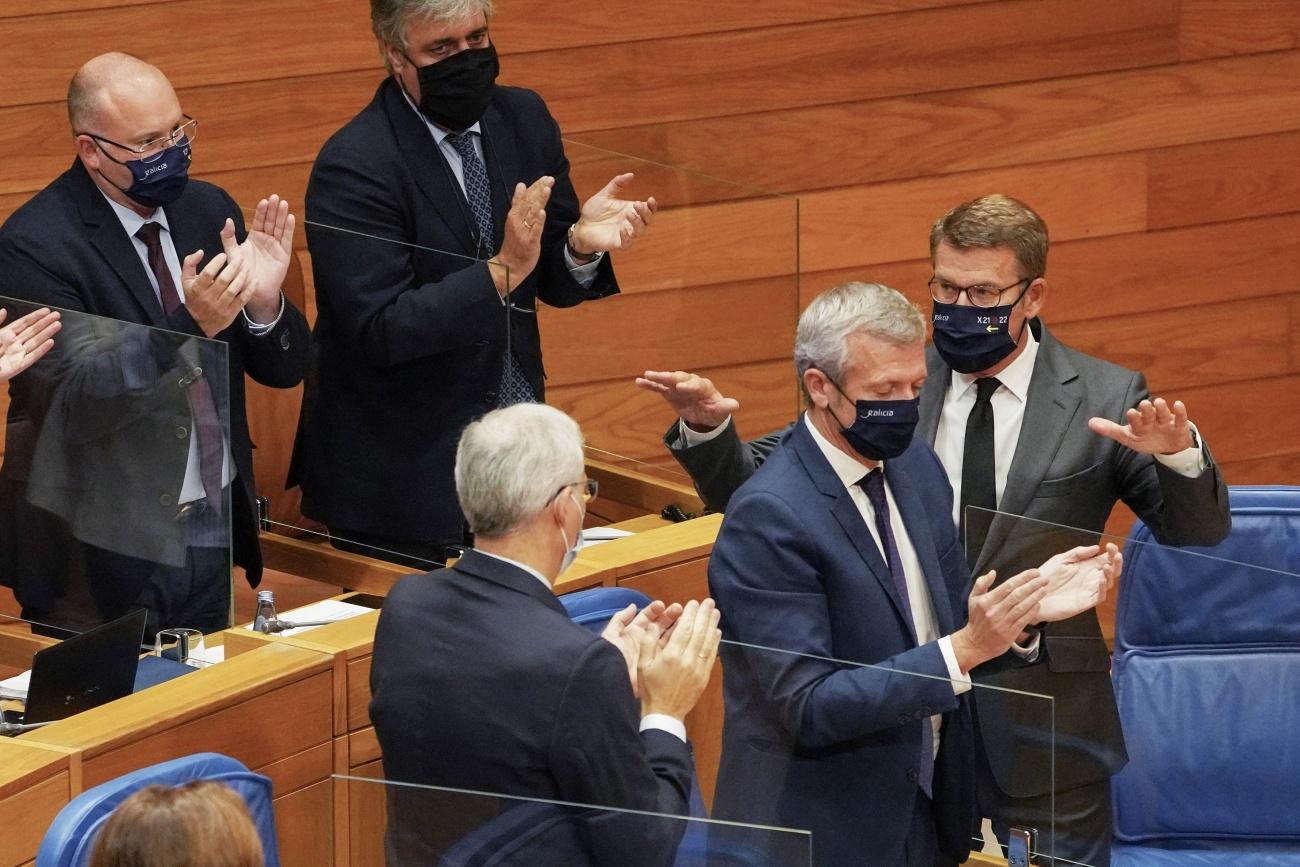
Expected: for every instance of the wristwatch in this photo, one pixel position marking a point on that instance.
(580, 258)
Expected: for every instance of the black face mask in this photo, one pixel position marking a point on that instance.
(881, 429)
(455, 92)
(971, 339)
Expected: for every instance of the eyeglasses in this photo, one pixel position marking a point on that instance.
(152, 150)
(590, 489)
(980, 295)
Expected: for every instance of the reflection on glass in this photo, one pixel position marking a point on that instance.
(427, 825)
(115, 492)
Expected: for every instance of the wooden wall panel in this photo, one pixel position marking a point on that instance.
(1213, 28)
(1216, 182)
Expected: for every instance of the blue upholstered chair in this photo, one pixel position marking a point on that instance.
(593, 608)
(71, 836)
(1207, 675)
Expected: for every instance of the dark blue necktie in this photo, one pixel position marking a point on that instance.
(514, 385)
(874, 484)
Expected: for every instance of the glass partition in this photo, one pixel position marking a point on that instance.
(120, 477)
(409, 824)
(1171, 686)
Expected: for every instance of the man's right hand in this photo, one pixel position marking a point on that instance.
(522, 245)
(997, 616)
(672, 674)
(215, 295)
(695, 399)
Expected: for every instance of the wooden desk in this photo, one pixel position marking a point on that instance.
(35, 783)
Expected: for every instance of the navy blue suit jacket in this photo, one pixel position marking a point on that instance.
(481, 681)
(411, 335)
(815, 744)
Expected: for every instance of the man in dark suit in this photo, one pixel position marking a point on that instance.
(118, 433)
(438, 218)
(1041, 442)
(845, 534)
(481, 681)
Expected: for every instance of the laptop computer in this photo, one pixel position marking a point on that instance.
(84, 671)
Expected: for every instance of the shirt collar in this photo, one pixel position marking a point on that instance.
(529, 569)
(847, 469)
(438, 133)
(1015, 378)
(131, 221)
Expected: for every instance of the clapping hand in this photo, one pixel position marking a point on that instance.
(521, 245)
(695, 399)
(1078, 579)
(625, 629)
(610, 222)
(26, 339)
(264, 255)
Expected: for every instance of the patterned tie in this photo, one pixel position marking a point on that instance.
(978, 471)
(514, 386)
(874, 484)
(203, 408)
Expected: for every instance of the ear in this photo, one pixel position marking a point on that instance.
(88, 152)
(818, 386)
(1035, 297)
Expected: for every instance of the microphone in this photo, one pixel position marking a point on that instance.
(274, 625)
(11, 729)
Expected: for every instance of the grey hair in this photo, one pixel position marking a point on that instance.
(510, 463)
(388, 17)
(873, 309)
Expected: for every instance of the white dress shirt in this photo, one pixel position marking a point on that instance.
(662, 722)
(850, 472)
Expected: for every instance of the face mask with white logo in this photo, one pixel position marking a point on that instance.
(159, 182)
(882, 429)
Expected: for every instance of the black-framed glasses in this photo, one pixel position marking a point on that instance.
(152, 150)
(590, 489)
(979, 295)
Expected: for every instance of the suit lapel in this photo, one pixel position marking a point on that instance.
(1050, 407)
(110, 239)
(847, 515)
(937, 380)
(424, 159)
(915, 520)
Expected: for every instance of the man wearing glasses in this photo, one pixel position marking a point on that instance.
(1028, 427)
(124, 234)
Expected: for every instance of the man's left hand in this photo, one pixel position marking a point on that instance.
(265, 255)
(623, 630)
(611, 222)
(1154, 428)
(1079, 579)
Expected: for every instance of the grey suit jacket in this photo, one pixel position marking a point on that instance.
(1062, 476)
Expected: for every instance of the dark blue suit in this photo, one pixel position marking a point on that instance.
(809, 743)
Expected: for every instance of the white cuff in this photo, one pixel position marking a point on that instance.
(258, 328)
(1028, 652)
(1190, 462)
(960, 682)
(664, 723)
(691, 437)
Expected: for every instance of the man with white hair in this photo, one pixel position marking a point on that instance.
(438, 218)
(481, 681)
(842, 547)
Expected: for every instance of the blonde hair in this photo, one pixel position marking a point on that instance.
(199, 824)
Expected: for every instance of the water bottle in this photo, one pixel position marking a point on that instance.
(265, 611)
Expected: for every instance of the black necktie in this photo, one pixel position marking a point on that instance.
(203, 407)
(978, 470)
(874, 484)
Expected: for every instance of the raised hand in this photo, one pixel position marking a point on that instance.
(1154, 428)
(608, 221)
(215, 295)
(522, 245)
(264, 255)
(695, 399)
(1079, 579)
(26, 339)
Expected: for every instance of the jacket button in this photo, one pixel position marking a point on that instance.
(490, 397)
(284, 340)
(913, 775)
(182, 432)
(165, 500)
(904, 720)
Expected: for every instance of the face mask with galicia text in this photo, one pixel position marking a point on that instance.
(158, 183)
(455, 92)
(971, 339)
(882, 429)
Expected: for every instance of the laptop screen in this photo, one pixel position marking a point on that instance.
(85, 671)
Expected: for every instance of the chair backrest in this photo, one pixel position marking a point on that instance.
(1207, 674)
(71, 836)
(593, 608)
